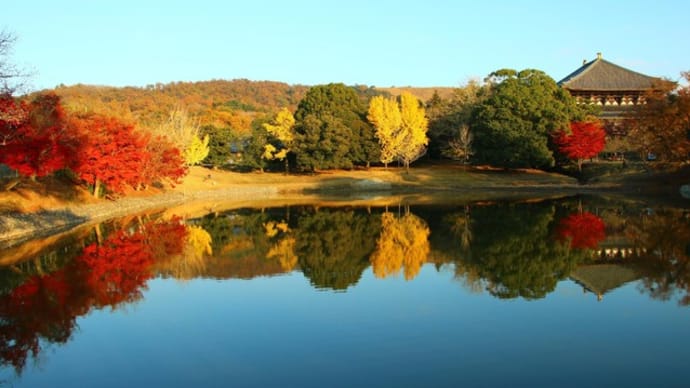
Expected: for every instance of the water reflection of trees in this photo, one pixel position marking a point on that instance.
(581, 229)
(662, 240)
(402, 244)
(513, 252)
(107, 273)
(330, 246)
(334, 245)
(241, 243)
(510, 250)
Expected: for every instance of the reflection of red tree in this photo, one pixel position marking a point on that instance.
(117, 269)
(114, 272)
(584, 230)
(43, 307)
(166, 238)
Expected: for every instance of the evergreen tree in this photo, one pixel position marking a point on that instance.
(219, 145)
(330, 128)
(512, 127)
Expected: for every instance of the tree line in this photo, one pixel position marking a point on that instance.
(513, 119)
(40, 138)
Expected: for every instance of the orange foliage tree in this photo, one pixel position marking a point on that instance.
(585, 140)
(165, 162)
(661, 124)
(35, 138)
(112, 153)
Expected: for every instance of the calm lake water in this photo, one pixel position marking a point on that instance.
(573, 292)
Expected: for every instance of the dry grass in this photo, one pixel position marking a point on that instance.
(53, 194)
(49, 193)
(437, 177)
(50, 206)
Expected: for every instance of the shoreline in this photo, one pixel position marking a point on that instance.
(196, 198)
(16, 228)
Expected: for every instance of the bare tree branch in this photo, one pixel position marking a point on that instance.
(12, 78)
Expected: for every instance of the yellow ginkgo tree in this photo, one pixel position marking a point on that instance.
(282, 129)
(401, 128)
(183, 130)
(384, 114)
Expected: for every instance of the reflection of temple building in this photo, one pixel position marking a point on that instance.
(616, 247)
(602, 278)
(613, 266)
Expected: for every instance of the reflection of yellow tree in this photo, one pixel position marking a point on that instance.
(191, 262)
(284, 249)
(272, 228)
(403, 243)
(198, 242)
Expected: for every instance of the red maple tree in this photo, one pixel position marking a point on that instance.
(165, 163)
(583, 230)
(13, 114)
(35, 138)
(112, 153)
(585, 140)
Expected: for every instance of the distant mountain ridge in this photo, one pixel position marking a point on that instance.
(223, 103)
(423, 93)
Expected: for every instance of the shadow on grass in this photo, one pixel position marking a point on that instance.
(62, 186)
(351, 188)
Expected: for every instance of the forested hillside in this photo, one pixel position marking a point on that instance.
(220, 103)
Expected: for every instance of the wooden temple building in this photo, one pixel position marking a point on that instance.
(614, 88)
(600, 279)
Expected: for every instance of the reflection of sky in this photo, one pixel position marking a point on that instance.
(280, 331)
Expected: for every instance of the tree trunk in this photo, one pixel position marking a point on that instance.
(99, 234)
(407, 167)
(287, 167)
(96, 188)
(579, 165)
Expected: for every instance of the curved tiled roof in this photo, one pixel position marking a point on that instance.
(601, 74)
(602, 278)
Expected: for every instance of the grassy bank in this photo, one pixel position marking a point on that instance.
(50, 206)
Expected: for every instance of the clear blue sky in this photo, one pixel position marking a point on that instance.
(382, 43)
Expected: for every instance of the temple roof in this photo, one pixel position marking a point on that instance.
(602, 278)
(600, 74)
